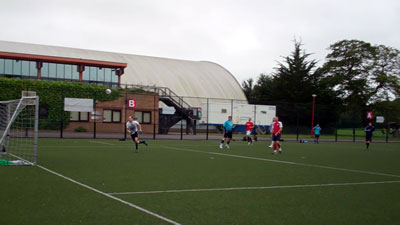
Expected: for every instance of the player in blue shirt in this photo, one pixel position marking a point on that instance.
(317, 131)
(369, 131)
(228, 127)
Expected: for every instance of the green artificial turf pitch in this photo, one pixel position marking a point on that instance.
(195, 182)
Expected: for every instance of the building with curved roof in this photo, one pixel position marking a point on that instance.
(185, 78)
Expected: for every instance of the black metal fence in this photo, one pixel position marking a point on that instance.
(208, 114)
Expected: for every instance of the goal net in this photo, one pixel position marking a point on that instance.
(19, 131)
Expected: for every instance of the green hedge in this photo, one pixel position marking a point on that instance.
(52, 94)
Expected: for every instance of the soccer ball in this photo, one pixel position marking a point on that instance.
(108, 91)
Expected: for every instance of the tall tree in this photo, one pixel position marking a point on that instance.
(291, 87)
(361, 73)
(262, 91)
(247, 87)
(293, 76)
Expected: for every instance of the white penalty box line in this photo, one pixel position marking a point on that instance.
(285, 162)
(110, 196)
(255, 188)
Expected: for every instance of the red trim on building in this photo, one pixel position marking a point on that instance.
(63, 60)
(39, 69)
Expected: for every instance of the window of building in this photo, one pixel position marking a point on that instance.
(8, 66)
(143, 117)
(60, 71)
(1, 66)
(32, 69)
(85, 73)
(107, 77)
(112, 116)
(79, 116)
(114, 77)
(68, 72)
(93, 73)
(25, 68)
(75, 73)
(100, 75)
(45, 70)
(17, 67)
(52, 70)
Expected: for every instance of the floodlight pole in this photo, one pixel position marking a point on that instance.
(312, 115)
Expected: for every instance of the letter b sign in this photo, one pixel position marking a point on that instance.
(131, 103)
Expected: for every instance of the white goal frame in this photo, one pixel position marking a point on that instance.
(18, 141)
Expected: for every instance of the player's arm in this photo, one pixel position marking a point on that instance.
(139, 127)
(280, 129)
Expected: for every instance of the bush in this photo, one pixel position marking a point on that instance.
(80, 129)
(52, 94)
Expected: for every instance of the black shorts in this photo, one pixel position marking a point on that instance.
(316, 135)
(228, 134)
(368, 137)
(276, 137)
(134, 135)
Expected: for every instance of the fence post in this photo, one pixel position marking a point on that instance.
(208, 115)
(181, 126)
(94, 116)
(387, 126)
(336, 126)
(125, 103)
(354, 134)
(297, 122)
(154, 116)
(232, 108)
(62, 114)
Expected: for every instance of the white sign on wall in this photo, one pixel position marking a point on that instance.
(380, 119)
(78, 104)
(167, 110)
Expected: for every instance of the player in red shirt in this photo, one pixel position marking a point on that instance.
(276, 134)
(249, 127)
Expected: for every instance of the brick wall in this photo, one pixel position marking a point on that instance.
(144, 102)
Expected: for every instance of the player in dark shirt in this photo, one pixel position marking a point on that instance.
(369, 131)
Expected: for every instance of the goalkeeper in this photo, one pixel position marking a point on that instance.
(133, 127)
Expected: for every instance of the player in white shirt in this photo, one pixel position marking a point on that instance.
(133, 127)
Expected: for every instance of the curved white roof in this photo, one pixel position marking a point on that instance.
(185, 78)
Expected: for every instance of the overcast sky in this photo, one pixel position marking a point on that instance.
(246, 37)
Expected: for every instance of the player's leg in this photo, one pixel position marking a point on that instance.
(221, 146)
(248, 133)
(142, 142)
(278, 145)
(272, 141)
(136, 143)
(274, 144)
(229, 134)
(369, 139)
(133, 136)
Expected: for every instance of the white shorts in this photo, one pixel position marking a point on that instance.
(248, 133)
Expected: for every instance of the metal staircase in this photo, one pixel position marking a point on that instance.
(182, 109)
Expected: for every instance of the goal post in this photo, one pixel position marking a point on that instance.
(19, 120)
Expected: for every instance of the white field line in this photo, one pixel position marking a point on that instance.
(285, 162)
(255, 188)
(99, 142)
(110, 196)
